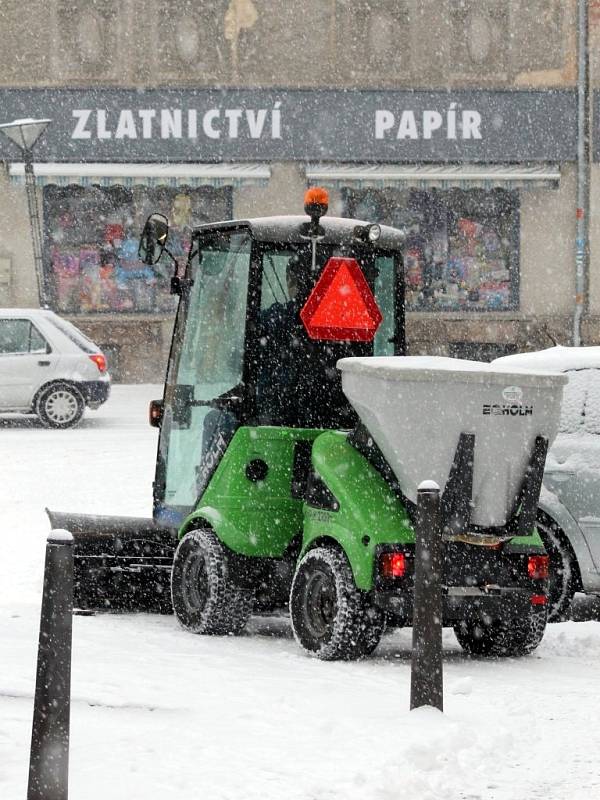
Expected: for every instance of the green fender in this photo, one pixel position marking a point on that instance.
(254, 517)
(369, 512)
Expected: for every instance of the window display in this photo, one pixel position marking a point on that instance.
(462, 245)
(91, 243)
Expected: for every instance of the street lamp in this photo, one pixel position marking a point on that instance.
(25, 133)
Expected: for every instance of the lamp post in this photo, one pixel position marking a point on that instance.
(25, 133)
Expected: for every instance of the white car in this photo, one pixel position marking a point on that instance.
(569, 509)
(48, 367)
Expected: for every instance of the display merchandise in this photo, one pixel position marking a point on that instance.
(91, 237)
(462, 245)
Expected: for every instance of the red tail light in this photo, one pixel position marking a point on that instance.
(392, 565)
(538, 567)
(99, 360)
(538, 599)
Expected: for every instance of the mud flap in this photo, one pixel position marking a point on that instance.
(121, 563)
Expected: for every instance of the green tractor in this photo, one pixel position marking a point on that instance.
(270, 492)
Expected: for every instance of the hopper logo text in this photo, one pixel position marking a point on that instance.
(514, 410)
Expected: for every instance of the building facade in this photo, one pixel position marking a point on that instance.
(455, 120)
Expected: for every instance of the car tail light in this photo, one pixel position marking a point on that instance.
(392, 565)
(537, 567)
(99, 360)
(538, 599)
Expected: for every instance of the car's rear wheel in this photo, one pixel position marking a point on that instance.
(562, 569)
(516, 637)
(60, 405)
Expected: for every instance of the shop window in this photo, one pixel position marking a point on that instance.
(91, 244)
(462, 245)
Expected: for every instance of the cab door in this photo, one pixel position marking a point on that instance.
(204, 389)
(26, 362)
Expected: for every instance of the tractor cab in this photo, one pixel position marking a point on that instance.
(268, 306)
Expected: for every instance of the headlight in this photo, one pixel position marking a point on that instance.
(368, 233)
(374, 232)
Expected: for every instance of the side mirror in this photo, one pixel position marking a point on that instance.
(153, 239)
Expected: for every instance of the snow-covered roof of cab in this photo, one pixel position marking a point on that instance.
(338, 230)
(559, 359)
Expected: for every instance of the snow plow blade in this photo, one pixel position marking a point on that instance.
(120, 563)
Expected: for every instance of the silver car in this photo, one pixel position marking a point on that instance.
(569, 508)
(48, 367)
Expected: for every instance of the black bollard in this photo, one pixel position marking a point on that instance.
(427, 680)
(49, 759)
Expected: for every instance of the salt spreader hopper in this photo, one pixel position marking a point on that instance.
(479, 431)
(278, 486)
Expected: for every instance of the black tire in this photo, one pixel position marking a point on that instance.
(205, 598)
(60, 405)
(331, 618)
(563, 566)
(516, 637)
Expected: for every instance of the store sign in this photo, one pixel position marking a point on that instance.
(154, 125)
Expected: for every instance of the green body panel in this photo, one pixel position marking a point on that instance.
(254, 518)
(369, 512)
(262, 518)
(531, 542)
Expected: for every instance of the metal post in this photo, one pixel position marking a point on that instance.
(582, 251)
(426, 686)
(49, 759)
(36, 226)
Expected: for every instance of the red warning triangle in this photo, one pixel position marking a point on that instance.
(341, 307)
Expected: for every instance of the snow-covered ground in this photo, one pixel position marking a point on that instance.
(160, 714)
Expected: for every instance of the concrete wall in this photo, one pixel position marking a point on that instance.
(390, 43)
(548, 247)
(16, 245)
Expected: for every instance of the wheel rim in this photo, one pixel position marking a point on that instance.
(61, 406)
(320, 605)
(194, 583)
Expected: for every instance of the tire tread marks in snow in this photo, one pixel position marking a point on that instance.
(205, 598)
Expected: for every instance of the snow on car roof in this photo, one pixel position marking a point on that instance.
(580, 412)
(559, 358)
(442, 368)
